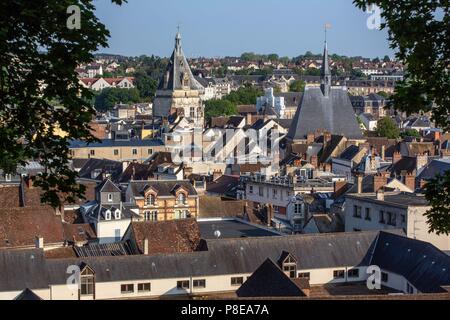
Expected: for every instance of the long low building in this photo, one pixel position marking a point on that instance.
(407, 265)
(118, 150)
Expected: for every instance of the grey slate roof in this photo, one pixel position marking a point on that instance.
(422, 264)
(176, 70)
(27, 295)
(108, 143)
(333, 114)
(232, 229)
(22, 269)
(98, 166)
(433, 168)
(27, 269)
(349, 153)
(269, 281)
(163, 187)
(237, 256)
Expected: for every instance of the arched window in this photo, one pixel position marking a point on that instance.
(150, 200)
(108, 215)
(181, 199)
(117, 214)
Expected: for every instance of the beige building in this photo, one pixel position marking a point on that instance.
(394, 210)
(163, 200)
(127, 150)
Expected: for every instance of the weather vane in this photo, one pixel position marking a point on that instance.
(327, 26)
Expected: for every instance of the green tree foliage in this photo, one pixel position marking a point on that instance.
(383, 94)
(419, 32)
(437, 193)
(216, 108)
(109, 97)
(410, 133)
(386, 127)
(38, 57)
(297, 86)
(146, 85)
(357, 73)
(245, 95)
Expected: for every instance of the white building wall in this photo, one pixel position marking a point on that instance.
(416, 226)
(106, 230)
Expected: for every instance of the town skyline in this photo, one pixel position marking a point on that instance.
(205, 37)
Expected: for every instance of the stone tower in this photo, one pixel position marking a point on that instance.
(178, 92)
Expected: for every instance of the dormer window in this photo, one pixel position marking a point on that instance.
(117, 214)
(87, 282)
(108, 215)
(181, 198)
(288, 264)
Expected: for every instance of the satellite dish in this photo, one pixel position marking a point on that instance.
(217, 234)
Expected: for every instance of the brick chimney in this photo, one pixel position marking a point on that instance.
(410, 181)
(364, 145)
(379, 181)
(437, 136)
(397, 156)
(217, 174)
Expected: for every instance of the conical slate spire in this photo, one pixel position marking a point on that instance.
(325, 75)
(178, 74)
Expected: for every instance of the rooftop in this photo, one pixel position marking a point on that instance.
(403, 199)
(232, 228)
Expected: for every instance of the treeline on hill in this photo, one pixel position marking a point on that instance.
(148, 71)
(227, 106)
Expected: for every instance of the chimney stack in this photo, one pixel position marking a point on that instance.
(380, 195)
(248, 119)
(410, 180)
(359, 181)
(217, 174)
(421, 161)
(379, 181)
(146, 246)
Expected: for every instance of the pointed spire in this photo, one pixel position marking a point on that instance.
(178, 40)
(325, 75)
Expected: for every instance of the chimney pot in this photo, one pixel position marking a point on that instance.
(359, 180)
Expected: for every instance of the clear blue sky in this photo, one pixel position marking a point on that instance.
(214, 28)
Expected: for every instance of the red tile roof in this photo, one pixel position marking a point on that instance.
(167, 236)
(20, 226)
